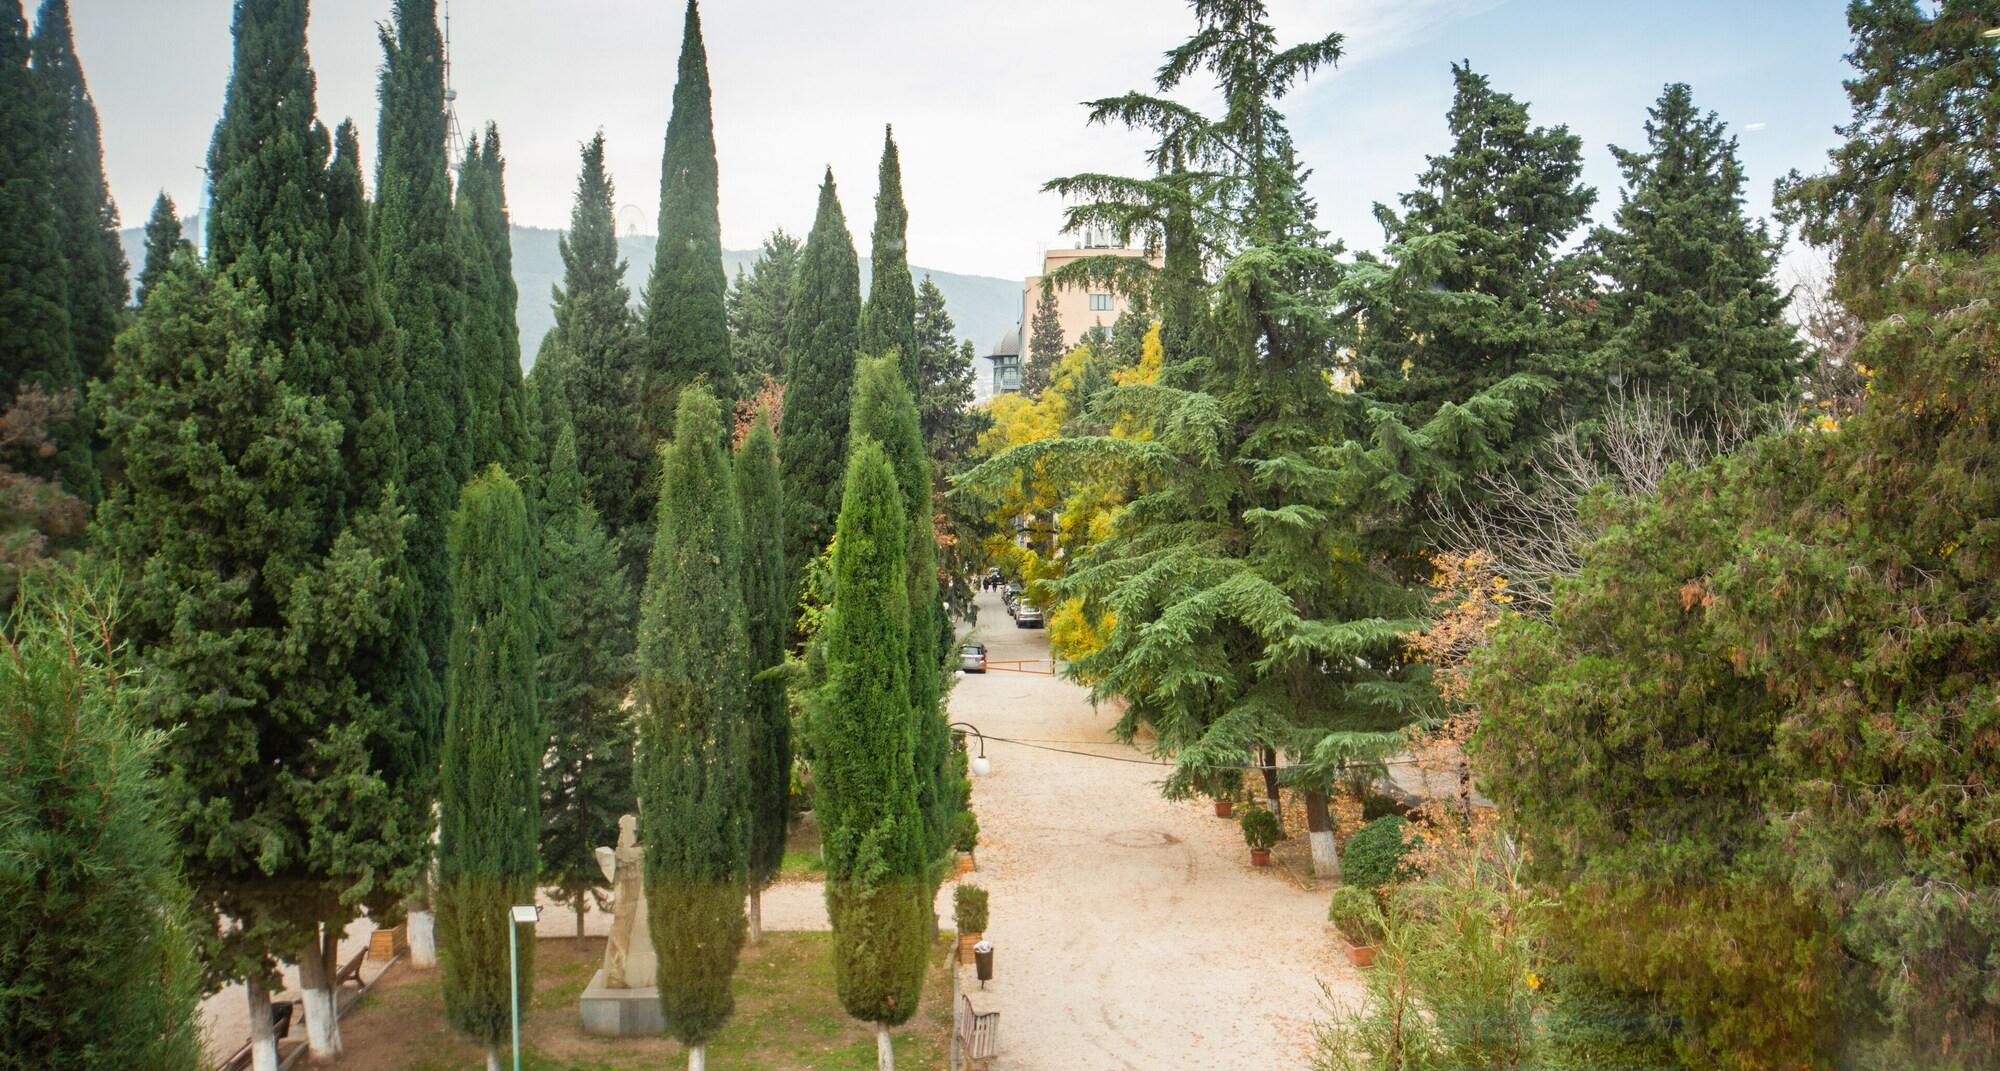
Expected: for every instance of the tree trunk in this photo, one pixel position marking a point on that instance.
(423, 940)
(698, 1057)
(318, 993)
(1269, 758)
(580, 901)
(263, 1039)
(493, 1058)
(885, 1053)
(1319, 825)
(756, 915)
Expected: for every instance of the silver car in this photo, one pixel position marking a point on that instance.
(972, 658)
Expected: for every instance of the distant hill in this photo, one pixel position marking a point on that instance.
(982, 307)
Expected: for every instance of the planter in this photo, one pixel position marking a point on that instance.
(1224, 808)
(386, 943)
(965, 943)
(1260, 857)
(965, 863)
(1361, 955)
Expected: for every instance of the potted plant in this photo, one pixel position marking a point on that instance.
(1358, 917)
(1221, 786)
(1260, 832)
(968, 907)
(965, 837)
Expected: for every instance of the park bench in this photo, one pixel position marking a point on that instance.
(351, 972)
(281, 1023)
(978, 1035)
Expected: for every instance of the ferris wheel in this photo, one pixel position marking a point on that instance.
(631, 220)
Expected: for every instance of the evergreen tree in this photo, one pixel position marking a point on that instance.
(586, 669)
(493, 741)
(1694, 315)
(92, 253)
(885, 412)
(866, 784)
(1045, 344)
(491, 337)
(888, 321)
(767, 622)
(944, 383)
(820, 343)
(164, 242)
(95, 956)
(693, 791)
(687, 323)
(758, 304)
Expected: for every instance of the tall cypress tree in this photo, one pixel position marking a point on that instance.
(488, 802)
(758, 302)
(164, 241)
(95, 955)
(820, 342)
(767, 622)
(1693, 312)
(490, 341)
(687, 322)
(92, 252)
(693, 796)
(876, 890)
(1046, 344)
(885, 412)
(586, 669)
(889, 321)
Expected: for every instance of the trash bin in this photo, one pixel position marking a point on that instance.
(982, 962)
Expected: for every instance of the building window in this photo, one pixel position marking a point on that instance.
(1100, 302)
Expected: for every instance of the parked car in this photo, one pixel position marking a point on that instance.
(972, 658)
(1027, 615)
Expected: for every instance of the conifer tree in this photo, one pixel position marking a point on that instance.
(1694, 315)
(767, 622)
(493, 740)
(885, 412)
(693, 795)
(164, 242)
(95, 955)
(944, 382)
(491, 340)
(758, 303)
(687, 323)
(586, 669)
(866, 785)
(820, 345)
(1045, 344)
(888, 321)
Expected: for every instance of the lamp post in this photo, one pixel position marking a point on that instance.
(979, 766)
(518, 916)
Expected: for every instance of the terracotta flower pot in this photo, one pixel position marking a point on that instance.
(1260, 857)
(965, 943)
(1361, 955)
(965, 863)
(1224, 808)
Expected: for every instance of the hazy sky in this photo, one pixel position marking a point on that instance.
(983, 94)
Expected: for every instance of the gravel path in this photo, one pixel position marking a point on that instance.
(1129, 932)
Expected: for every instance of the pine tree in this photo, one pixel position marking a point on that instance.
(767, 623)
(95, 955)
(693, 791)
(164, 242)
(1045, 344)
(820, 344)
(491, 338)
(1695, 317)
(866, 784)
(586, 669)
(885, 412)
(493, 740)
(758, 304)
(687, 322)
(888, 321)
(944, 383)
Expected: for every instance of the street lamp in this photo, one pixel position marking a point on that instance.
(519, 915)
(979, 766)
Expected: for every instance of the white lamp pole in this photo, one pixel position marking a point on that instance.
(520, 915)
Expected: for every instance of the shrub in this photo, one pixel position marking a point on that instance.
(1375, 854)
(1356, 915)
(968, 905)
(1260, 829)
(964, 831)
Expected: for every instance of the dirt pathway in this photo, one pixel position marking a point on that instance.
(1129, 932)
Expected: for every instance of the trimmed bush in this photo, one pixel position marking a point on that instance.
(1375, 854)
(1260, 829)
(968, 905)
(1354, 912)
(964, 831)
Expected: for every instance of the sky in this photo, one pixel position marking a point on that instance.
(984, 96)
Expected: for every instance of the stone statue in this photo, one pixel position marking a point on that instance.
(629, 962)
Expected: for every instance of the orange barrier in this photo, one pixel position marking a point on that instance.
(1019, 665)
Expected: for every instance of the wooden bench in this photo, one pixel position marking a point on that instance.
(352, 971)
(281, 1024)
(978, 1035)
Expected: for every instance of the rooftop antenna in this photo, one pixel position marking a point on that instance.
(454, 140)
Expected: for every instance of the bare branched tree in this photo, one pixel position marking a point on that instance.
(1833, 383)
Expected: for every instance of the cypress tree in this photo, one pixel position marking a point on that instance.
(767, 622)
(820, 341)
(693, 796)
(885, 412)
(944, 382)
(866, 795)
(95, 956)
(490, 341)
(687, 322)
(1046, 345)
(92, 253)
(888, 321)
(1693, 312)
(488, 799)
(164, 241)
(758, 303)
(586, 668)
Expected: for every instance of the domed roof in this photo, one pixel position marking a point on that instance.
(1009, 344)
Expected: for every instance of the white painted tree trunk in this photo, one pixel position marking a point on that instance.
(263, 1040)
(698, 1058)
(317, 965)
(493, 1059)
(885, 1053)
(423, 940)
(756, 915)
(1326, 855)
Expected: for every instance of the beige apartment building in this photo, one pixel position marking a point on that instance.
(1080, 309)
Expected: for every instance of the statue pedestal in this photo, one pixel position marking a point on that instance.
(620, 1013)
